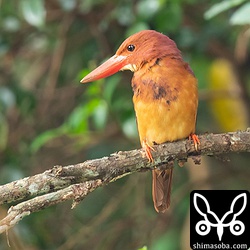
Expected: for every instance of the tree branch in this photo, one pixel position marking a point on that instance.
(75, 182)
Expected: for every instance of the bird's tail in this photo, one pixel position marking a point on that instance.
(161, 189)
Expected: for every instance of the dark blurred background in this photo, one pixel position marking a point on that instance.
(48, 118)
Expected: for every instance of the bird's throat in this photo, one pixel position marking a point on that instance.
(131, 67)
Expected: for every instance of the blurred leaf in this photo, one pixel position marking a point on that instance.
(129, 128)
(169, 19)
(4, 130)
(241, 16)
(124, 15)
(227, 106)
(25, 100)
(77, 123)
(87, 5)
(199, 65)
(78, 120)
(186, 38)
(94, 89)
(45, 137)
(67, 5)
(170, 240)
(143, 248)
(11, 24)
(123, 108)
(110, 87)
(100, 114)
(10, 172)
(220, 7)
(147, 8)
(7, 98)
(33, 11)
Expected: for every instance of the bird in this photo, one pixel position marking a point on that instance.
(165, 98)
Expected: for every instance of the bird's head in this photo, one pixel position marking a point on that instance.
(134, 53)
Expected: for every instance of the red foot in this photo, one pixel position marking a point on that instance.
(195, 139)
(148, 149)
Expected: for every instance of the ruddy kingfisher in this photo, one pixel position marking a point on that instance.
(165, 97)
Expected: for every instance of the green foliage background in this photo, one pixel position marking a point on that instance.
(48, 118)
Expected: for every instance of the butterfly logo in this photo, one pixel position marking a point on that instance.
(210, 219)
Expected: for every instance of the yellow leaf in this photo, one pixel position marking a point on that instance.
(226, 101)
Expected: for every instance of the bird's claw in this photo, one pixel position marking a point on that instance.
(195, 139)
(147, 148)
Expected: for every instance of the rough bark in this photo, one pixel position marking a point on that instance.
(74, 182)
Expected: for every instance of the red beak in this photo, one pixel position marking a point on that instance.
(108, 68)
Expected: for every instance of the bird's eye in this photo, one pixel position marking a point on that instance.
(131, 47)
